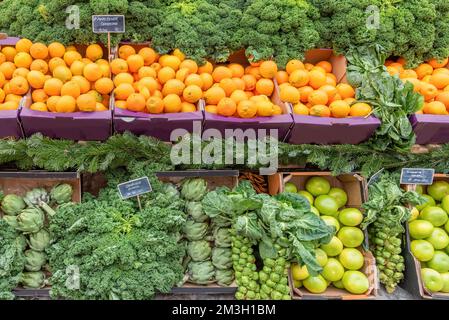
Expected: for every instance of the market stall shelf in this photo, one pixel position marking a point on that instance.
(430, 129)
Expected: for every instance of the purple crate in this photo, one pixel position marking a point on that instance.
(73, 126)
(9, 41)
(310, 129)
(155, 125)
(10, 124)
(430, 129)
(281, 122)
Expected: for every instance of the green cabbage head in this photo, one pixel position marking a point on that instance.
(199, 250)
(201, 272)
(222, 258)
(224, 277)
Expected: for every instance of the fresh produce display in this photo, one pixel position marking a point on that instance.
(429, 236)
(386, 212)
(28, 216)
(340, 259)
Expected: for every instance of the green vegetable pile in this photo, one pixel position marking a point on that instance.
(386, 212)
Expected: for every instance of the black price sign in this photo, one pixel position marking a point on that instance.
(417, 176)
(108, 24)
(134, 188)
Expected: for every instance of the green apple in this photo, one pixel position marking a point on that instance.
(331, 221)
(355, 282)
(420, 229)
(445, 203)
(306, 195)
(321, 257)
(333, 270)
(439, 262)
(315, 284)
(435, 215)
(326, 205)
(339, 195)
(350, 217)
(290, 187)
(445, 277)
(314, 210)
(414, 213)
(318, 186)
(432, 280)
(351, 259)
(333, 248)
(351, 237)
(422, 250)
(338, 284)
(438, 190)
(299, 273)
(439, 238)
(429, 201)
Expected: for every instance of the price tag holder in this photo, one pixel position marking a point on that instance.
(134, 188)
(421, 176)
(108, 24)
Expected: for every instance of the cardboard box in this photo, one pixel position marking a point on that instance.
(326, 130)
(356, 188)
(430, 129)
(413, 281)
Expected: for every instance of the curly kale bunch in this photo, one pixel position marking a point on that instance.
(279, 29)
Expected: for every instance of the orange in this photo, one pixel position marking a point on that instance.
(254, 71)
(178, 53)
(136, 102)
(39, 65)
(259, 98)
(2, 95)
(238, 96)
(56, 49)
(156, 66)
(173, 86)
(170, 61)
(52, 87)
(206, 68)
(10, 53)
(349, 100)
(119, 66)
(144, 91)
(339, 109)
(77, 68)
(155, 105)
(100, 107)
(71, 56)
(194, 79)
(19, 85)
(392, 70)
(39, 95)
(211, 109)
(423, 70)
(189, 64)
(172, 103)
(66, 104)
(441, 70)
(331, 91)
(318, 97)
(147, 72)
(214, 95)
(265, 86)
(436, 63)
(320, 110)
(360, 109)
(36, 79)
(207, 80)
(104, 85)
(221, 73)
(345, 91)
(415, 82)
(336, 97)
(135, 62)
(444, 98)
(7, 68)
(331, 79)
(98, 97)
(150, 83)
(165, 74)
(429, 91)
(39, 51)
(192, 93)
(281, 77)
(23, 60)
(239, 83)
(6, 88)
(123, 91)
(148, 55)
(246, 109)
(71, 88)
(228, 85)
(293, 65)
(83, 83)
(23, 72)
(300, 109)
(39, 106)
(120, 104)
(62, 73)
(426, 79)
(440, 80)
(94, 52)
(2, 80)
(435, 107)
(9, 105)
(125, 51)
(123, 78)
(51, 103)
(320, 69)
(268, 69)
(86, 103)
(408, 74)
(188, 107)
(92, 72)
(250, 82)
(264, 108)
(299, 78)
(55, 62)
(226, 107)
(290, 94)
(182, 74)
(237, 70)
(326, 65)
(398, 66)
(317, 79)
(105, 70)
(23, 45)
(2, 58)
(13, 97)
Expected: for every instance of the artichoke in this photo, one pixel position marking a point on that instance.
(33, 280)
(222, 237)
(201, 272)
(61, 193)
(34, 260)
(194, 231)
(21, 242)
(195, 210)
(170, 191)
(194, 189)
(35, 196)
(30, 220)
(222, 258)
(40, 240)
(224, 277)
(12, 221)
(199, 250)
(13, 204)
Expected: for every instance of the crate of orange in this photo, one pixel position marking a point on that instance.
(11, 98)
(242, 96)
(156, 94)
(322, 103)
(430, 79)
(69, 92)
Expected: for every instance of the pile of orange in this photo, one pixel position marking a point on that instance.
(60, 78)
(147, 82)
(430, 79)
(242, 92)
(313, 90)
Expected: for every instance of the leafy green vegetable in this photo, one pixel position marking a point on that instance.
(34, 260)
(195, 210)
(12, 204)
(33, 280)
(40, 240)
(194, 231)
(224, 277)
(201, 272)
(222, 237)
(30, 220)
(222, 258)
(193, 189)
(199, 250)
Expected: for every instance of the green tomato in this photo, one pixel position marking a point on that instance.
(242, 261)
(279, 287)
(264, 296)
